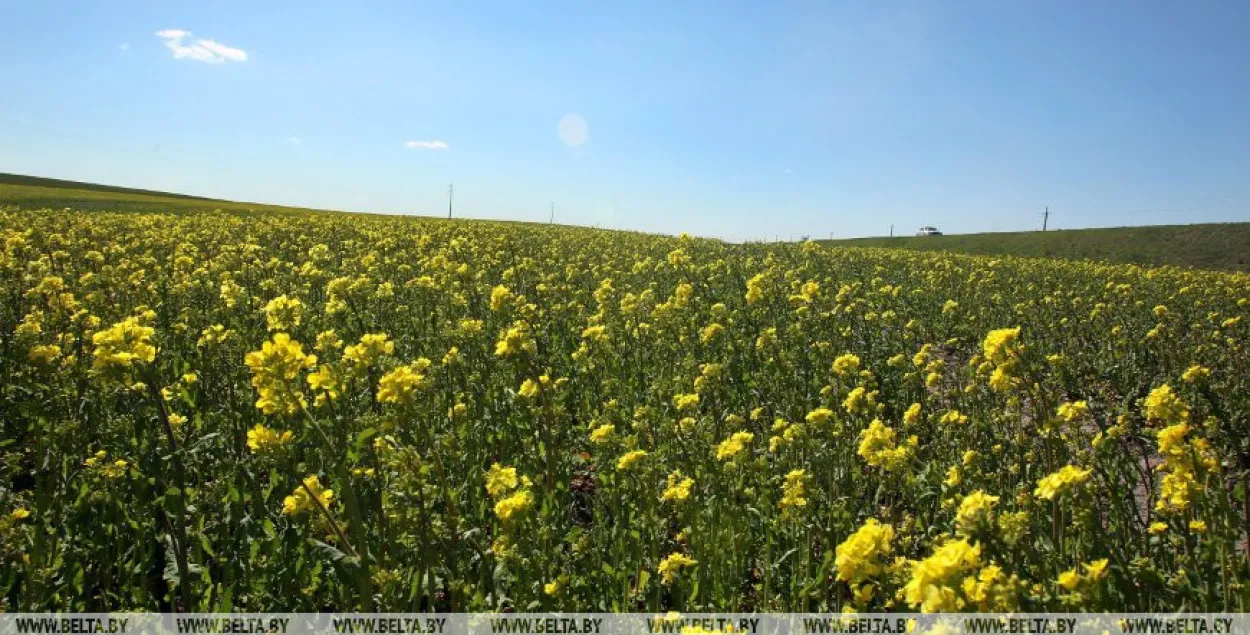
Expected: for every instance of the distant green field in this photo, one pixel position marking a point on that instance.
(1223, 246)
(31, 192)
(34, 192)
(61, 184)
(1212, 246)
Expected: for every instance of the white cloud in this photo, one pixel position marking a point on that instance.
(573, 130)
(223, 51)
(294, 140)
(200, 50)
(426, 145)
(123, 47)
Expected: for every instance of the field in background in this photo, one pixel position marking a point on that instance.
(32, 192)
(1224, 246)
(1211, 246)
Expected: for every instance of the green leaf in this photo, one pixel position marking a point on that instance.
(171, 574)
(207, 546)
(327, 550)
(364, 435)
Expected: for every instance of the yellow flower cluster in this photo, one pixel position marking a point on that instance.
(515, 341)
(628, 459)
(794, 490)
(500, 480)
(276, 371)
(846, 365)
(310, 495)
(671, 566)
(878, 446)
(1072, 411)
(263, 440)
(1063, 480)
(937, 581)
(512, 495)
(121, 346)
(1001, 351)
(1187, 457)
(975, 511)
(862, 555)
(364, 355)
(734, 445)
(284, 313)
(401, 384)
(678, 489)
(108, 469)
(1092, 572)
(1163, 405)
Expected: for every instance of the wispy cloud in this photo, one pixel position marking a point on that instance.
(426, 145)
(123, 47)
(199, 49)
(294, 140)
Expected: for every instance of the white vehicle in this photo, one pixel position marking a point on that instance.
(928, 231)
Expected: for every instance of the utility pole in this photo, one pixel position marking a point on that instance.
(553, 214)
(1046, 218)
(891, 230)
(451, 192)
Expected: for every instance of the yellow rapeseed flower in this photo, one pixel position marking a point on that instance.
(500, 480)
(863, 554)
(999, 344)
(734, 445)
(401, 384)
(263, 440)
(602, 433)
(879, 448)
(845, 365)
(671, 566)
(299, 501)
(935, 581)
(630, 458)
(275, 374)
(283, 313)
(1055, 484)
(1195, 374)
(793, 490)
(121, 346)
(513, 507)
(1164, 405)
(678, 488)
(976, 510)
(1071, 411)
(819, 416)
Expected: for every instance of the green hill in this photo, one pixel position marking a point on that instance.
(37, 192)
(61, 184)
(1210, 246)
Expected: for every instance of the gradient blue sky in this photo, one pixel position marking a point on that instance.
(742, 120)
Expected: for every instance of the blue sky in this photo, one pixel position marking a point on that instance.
(743, 120)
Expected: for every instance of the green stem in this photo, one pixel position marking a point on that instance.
(179, 526)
